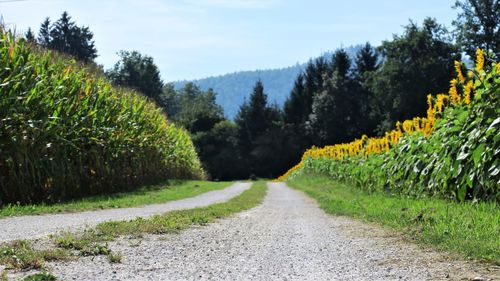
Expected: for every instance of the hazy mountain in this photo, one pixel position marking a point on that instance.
(232, 89)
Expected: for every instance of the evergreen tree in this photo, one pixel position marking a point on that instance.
(138, 72)
(30, 36)
(366, 65)
(252, 117)
(334, 109)
(66, 37)
(258, 125)
(366, 61)
(478, 25)
(341, 63)
(295, 111)
(44, 33)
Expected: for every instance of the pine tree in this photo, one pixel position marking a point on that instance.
(30, 36)
(44, 33)
(335, 109)
(66, 37)
(341, 63)
(366, 65)
(366, 60)
(257, 126)
(295, 110)
(253, 115)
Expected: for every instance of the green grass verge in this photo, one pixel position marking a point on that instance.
(174, 190)
(178, 220)
(470, 229)
(92, 242)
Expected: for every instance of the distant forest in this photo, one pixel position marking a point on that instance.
(234, 88)
(259, 123)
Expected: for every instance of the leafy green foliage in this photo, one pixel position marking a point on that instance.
(114, 257)
(138, 72)
(67, 133)
(478, 26)
(20, 254)
(214, 137)
(42, 276)
(415, 64)
(459, 160)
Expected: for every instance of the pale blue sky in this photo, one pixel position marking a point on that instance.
(199, 38)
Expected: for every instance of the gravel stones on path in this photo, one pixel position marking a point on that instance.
(39, 226)
(286, 238)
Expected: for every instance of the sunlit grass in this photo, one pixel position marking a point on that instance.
(162, 193)
(471, 229)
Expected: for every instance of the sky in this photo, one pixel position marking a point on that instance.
(191, 39)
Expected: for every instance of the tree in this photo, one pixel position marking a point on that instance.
(222, 159)
(138, 72)
(478, 25)
(294, 107)
(366, 61)
(258, 124)
(30, 36)
(199, 111)
(415, 64)
(335, 108)
(341, 63)
(170, 100)
(252, 117)
(366, 65)
(44, 33)
(66, 37)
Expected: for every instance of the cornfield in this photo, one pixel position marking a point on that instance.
(65, 132)
(460, 130)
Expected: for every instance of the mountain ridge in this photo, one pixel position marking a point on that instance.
(234, 88)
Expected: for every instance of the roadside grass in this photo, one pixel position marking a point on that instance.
(41, 276)
(175, 221)
(152, 194)
(21, 254)
(93, 241)
(470, 229)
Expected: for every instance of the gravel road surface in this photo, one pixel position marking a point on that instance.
(286, 238)
(30, 227)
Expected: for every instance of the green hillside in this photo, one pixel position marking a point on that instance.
(234, 88)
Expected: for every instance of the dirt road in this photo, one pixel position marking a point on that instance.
(286, 238)
(30, 227)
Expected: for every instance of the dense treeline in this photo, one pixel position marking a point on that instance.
(333, 100)
(234, 88)
(452, 152)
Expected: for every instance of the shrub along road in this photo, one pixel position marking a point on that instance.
(29, 227)
(287, 237)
